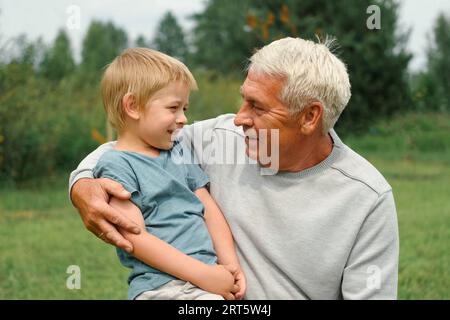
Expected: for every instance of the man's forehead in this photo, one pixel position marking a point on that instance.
(255, 83)
(251, 82)
(246, 89)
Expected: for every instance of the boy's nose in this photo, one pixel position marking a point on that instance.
(181, 119)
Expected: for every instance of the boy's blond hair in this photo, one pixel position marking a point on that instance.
(142, 72)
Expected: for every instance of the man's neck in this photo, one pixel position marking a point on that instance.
(311, 152)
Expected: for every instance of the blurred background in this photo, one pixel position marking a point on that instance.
(51, 59)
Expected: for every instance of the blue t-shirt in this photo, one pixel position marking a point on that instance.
(163, 189)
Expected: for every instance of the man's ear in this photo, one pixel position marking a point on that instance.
(311, 118)
(130, 106)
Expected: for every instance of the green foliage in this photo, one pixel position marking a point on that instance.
(44, 126)
(27, 54)
(141, 42)
(42, 130)
(411, 136)
(170, 37)
(376, 59)
(423, 87)
(58, 61)
(103, 42)
(221, 40)
(50, 107)
(216, 95)
(432, 87)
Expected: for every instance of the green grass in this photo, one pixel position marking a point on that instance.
(423, 209)
(41, 234)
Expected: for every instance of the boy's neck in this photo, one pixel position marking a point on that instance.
(127, 141)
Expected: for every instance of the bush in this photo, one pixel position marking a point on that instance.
(413, 136)
(45, 127)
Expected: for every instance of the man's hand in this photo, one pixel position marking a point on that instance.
(91, 197)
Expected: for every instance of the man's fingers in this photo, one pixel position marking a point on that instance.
(114, 189)
(116, 218)
(110, 235)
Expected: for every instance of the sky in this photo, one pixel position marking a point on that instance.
(44, 18)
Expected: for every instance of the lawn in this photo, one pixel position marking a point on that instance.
(41, 235)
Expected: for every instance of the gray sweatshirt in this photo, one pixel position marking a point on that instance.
(327, 232)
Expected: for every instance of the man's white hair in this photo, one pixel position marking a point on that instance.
(312, 73)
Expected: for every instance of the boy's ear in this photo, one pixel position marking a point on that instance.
(130, 106)
(311, 118)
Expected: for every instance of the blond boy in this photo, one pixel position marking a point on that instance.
(185, 249)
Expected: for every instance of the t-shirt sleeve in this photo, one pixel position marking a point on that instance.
(196, 177)
(113, 166)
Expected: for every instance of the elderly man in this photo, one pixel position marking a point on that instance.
(323, 224)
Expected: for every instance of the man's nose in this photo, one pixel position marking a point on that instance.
(243, 117)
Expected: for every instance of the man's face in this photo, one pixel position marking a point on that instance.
(262, 109)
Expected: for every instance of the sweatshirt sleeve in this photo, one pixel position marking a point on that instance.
(372, 267)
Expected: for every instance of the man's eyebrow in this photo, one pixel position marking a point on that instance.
(249, 98)
(241, 91)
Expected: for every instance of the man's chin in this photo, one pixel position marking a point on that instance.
(253, 155)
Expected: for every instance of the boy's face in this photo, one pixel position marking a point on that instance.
(164, 115)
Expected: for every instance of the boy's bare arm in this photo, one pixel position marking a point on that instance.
(222, 238)
(166, 258)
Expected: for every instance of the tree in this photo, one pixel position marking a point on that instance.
(222, 41)
(439, 65)
(58, 61)
(103, 42)
(141, 42)
(170, 37)
(376, 58)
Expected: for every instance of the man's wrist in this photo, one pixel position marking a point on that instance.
(73, 186)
